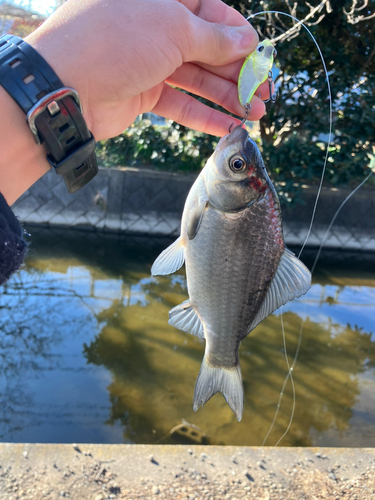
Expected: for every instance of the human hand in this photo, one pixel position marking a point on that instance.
(123, 55)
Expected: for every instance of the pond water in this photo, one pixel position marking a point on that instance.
(87, 355)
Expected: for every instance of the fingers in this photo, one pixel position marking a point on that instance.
(221, 44)
(187, 111)
(215, 11)
(194, 79)
(228, 71)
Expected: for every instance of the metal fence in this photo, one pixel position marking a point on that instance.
(147, 202)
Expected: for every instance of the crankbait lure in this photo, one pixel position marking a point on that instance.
(255, 70)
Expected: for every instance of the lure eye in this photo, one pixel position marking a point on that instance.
(237, 164)
(260, 48)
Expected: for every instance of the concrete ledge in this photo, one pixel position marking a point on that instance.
(127, 200)
(141, 201)
(80, 472)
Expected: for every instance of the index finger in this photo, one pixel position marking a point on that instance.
(215, 11)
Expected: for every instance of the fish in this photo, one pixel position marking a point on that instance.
(238, 268)
(255, 70)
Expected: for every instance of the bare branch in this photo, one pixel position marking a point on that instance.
(281, 22)
(293, 9)
(351, 13)
(297, 26)
(318, 21)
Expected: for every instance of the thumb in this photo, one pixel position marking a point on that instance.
(218, 44)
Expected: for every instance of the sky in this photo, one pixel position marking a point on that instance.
(42, 6)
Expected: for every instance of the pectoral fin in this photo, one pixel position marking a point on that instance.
(195, 218)
(292, 279)
(170, 260)
(186, 319)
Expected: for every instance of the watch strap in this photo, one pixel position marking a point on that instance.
(53, 111)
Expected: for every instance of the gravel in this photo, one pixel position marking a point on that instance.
(132, 474)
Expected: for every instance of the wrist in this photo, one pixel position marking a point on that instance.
(22, 161)
(58, 56)
(54, 111)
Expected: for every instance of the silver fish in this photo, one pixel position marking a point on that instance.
(238, 268)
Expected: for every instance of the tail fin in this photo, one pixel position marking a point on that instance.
(228, 381)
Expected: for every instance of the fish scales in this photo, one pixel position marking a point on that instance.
(226, 297)
(238, 268)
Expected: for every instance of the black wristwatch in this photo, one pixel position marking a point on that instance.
(54, 112)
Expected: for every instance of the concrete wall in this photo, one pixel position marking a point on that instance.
(141, 201)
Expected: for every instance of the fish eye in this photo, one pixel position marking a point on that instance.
(260, 48)
(237, 164)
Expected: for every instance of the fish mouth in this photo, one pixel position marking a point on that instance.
(238, 134)
(241, 135)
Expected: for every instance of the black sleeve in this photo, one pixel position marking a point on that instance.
(13, 248)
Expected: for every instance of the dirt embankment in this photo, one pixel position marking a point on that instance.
(98, 472)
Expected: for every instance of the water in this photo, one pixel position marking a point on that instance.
(86, 354)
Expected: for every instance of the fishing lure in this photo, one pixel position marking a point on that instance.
(255, 70)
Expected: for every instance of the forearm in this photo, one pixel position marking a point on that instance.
(22, 161)
(118, 55)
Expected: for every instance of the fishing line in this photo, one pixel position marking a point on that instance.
(330, 112)
(371, 166)
(290, 369)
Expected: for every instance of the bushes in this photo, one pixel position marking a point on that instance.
(167, 147)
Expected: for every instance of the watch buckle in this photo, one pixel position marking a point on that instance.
(50, 102)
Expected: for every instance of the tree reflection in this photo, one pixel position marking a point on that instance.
(36, 312)
(106, 301)
(154, 368)
(330, 359)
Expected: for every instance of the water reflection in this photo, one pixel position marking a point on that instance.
(87, 354)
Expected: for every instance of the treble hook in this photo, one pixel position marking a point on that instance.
(275, 95)
(247, 111)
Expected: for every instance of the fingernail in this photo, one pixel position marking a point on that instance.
(245, 36)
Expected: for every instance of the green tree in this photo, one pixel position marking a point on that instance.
(293, 128)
